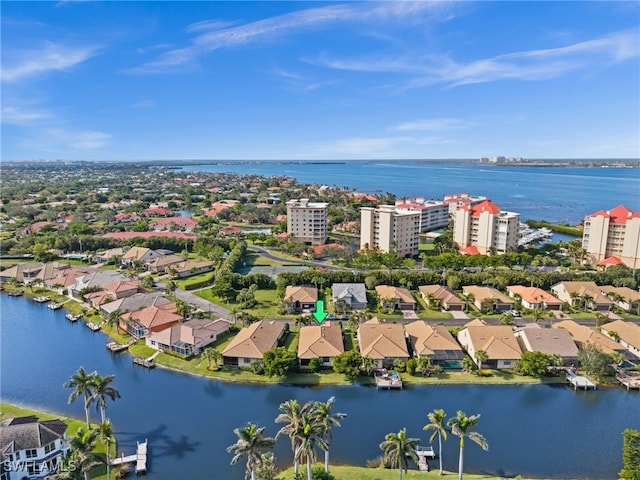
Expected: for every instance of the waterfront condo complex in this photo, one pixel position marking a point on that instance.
(613, 237)
(307, 221)
(484, 228)
(388, 228)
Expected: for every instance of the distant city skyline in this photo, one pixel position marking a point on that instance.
(319, 80)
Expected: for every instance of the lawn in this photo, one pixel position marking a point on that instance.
(253, 259)
(344, 472)
(495, 377)
(425, 312)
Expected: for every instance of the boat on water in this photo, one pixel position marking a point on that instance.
(73, 318)
(16, 293)
(54, 305)
(42, 299)
(93, 326)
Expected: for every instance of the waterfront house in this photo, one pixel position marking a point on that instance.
(443, 295)
(625, 333)
(534, 298)
(354, 295)
(96, 280)
(143, 322)
(188, 338)
(383, 342)
(301, 298)
(625, 298)
(31, 449)
(501, 302)
(400, 297)
(252, 342)
(497, 341)
(133, 303)
(139, 254)
(22, 272)
(582, 334)
(433, 341)
(586, 294)
(322, 341)
(65, 277)
(552, 341)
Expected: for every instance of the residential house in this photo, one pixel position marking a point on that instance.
(443, 295)
(383, 342)
(22, 272)
(113, 291)
(354, 295)
(586, 294)
(625, 298)
(534, 298)
(501, 302)
(191, 267)
(433, 341)
(30, 448)
(251, 343)
(63, 279)
(400, 297)
(582, 334)
(163, 263)
(552, 341)
(96, 280)
(497, 341)
(138, 254)
(301, 298)
(625, 333)
(188, 338)
(185, 224)
(133, 303)
(112, 253)
(322, 341)
(141, 323)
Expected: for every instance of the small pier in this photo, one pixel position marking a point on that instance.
(578, 381)
(119, 347)
(388, 381)
(148, 362)
(424, 453)
(73, 318)
(16, 293)
(94, 326)
(627, 381)
(140, 458)
(42, 299)
(54, 305)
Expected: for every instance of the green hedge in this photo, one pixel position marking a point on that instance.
(199, 283)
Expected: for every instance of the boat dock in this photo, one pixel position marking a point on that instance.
(631, 383)
(41, 299)
(119, 347)
(16, 293)
(54, 305)
(94, 326)
(424, 453)
(388, 381)
(73, 318)
(148, 362)
(140, 458)
(578, 381)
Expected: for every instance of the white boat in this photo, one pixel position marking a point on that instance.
(54, 305)
(71, 317)
(42, 299)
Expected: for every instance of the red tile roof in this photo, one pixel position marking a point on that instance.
(485, 206)
(470, 250)
(128, 235)
(610, 261)
(619, 214)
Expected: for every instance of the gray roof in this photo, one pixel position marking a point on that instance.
(27, 432)
(547, 340)
(355, 290)
(135, 302)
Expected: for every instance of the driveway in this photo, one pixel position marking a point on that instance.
(202, 304)
(459, 315)
(409, 315)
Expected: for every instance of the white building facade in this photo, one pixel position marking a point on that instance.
(486, 227)
(388, 229)
(307, 221)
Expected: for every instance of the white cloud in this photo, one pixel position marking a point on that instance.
(433, 124)
(77, 139)
(19, 116)
(208, 25)
(52, 57)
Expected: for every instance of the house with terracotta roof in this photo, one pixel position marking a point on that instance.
(497, 341)
(626, 334)
(322, 341)
(185, 224)
(105, 256)
(534, 298)
(383, 342)
(251, 343)
(145, 321)
(625, 298)
(582, 334)
(501, 302)
(31, 449)
(401, 298)
(612, 236)
(582, 293)
(433, 341)
(301, 298)
(442, 295)
(354, 295)
(188, 338)
(552, 341)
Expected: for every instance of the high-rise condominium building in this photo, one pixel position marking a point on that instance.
(457, 200)
(434, 214)
(613, 237)
(485, 227)
(389, 229)
(307, 221)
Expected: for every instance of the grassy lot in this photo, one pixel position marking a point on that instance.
(253, 259)
(425, 312)
(201, 277)
(495, 377)
(344, 472)
(291, 341)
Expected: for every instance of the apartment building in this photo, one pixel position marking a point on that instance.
(307, 221)
(434, 214)
(485, 227)
(456, 200)
(388, 229)
(613, 236)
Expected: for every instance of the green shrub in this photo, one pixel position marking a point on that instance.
(315, 364)
(412, 364)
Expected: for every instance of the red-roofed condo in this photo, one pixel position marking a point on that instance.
(485, 227)
(614, 233)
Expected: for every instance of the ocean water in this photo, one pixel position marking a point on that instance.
(556, 194)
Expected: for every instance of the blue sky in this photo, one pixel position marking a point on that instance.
(315, 80)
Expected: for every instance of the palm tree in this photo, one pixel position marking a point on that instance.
(481, 356)
(310, 436)
(250, 444)
(469, 298)
(105, 433)
(462, 426)
(171, 286)
(83, 385)
(398, 448)
(82, 446)
(325, 419)
(291, 416)
(102, 389)
(439, 428)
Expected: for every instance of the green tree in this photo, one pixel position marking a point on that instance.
(82, 446)
(326, 419)
(398, 449)
(535, 364)
(291, 416)
(310, 436)
(279, 362)
(105, 434)
(463, 426)
(594, 362)
(481, 357)
(250, 444)
(348, 363)
(83, 386)
(102, 389)
(630, 455)
(436, 419)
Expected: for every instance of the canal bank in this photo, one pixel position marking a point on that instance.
(537, 431)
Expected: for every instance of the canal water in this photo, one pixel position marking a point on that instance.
(533, 431)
